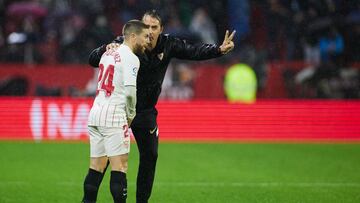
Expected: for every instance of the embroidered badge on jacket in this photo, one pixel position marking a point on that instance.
(160, 56)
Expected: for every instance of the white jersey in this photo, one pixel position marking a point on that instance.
(117, 69)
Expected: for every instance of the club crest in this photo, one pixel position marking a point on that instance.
(160, 56)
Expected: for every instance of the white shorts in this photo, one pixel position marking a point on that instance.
(108, 141)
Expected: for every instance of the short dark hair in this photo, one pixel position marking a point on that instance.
(154, 14)
(133, 26)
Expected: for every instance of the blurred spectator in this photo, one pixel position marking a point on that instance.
(202, 25)
(71, 45)
(64, 31)
(183, 83)
(49, 48)
(328, 80)
(293, 26)
(31, 30)
(23, 32)
(178, 82)
(294, 30)
(2, 40)
(15, 48)
(331, 45)
(239, 19)
(310, 37)
(176, 28)
(92, 85)
(14, 86)
(255, 59)
(353, 44)
(350, 79)
(278, 20)
(101, 32)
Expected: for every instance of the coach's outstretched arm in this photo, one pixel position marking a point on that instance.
(184, 50)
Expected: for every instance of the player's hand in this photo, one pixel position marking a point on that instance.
(112, 46)
(228, 43)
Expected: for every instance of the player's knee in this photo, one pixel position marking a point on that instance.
(123, 167)
(98, 164)
(98, 167)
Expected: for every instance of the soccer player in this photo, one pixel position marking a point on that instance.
(154, 62)
(113, 111)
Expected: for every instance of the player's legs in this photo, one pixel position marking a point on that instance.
(147, 142)
(118, 182)
(117, 147)
(98, 163)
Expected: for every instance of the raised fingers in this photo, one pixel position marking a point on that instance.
(226, 36)
(231, 37)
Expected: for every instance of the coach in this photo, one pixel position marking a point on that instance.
(153, 65)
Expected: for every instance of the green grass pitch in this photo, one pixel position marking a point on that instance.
(190, 173)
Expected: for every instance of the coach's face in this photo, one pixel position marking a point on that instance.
(155, 29)
(142, 41)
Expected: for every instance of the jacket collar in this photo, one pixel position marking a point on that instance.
(159, 45)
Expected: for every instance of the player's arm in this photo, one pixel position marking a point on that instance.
(95, 55)
(131, 67)
(184, 50)
(130, 95)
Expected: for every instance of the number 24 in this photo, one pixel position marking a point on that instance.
(106, 79)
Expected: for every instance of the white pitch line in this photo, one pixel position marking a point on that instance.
(211, 184)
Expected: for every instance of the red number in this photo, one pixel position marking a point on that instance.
(106, 79)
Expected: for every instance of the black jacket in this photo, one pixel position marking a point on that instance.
(152, 70)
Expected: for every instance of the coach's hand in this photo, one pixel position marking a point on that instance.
(112, 46)
(228, 43)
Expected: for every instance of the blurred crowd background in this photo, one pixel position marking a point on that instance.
(322, 34)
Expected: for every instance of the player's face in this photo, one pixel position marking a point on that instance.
(155, 29)
(142, 41)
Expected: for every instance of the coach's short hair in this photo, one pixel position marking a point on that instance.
(153, 13)
(133, 26)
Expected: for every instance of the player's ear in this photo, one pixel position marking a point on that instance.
(161, 28)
